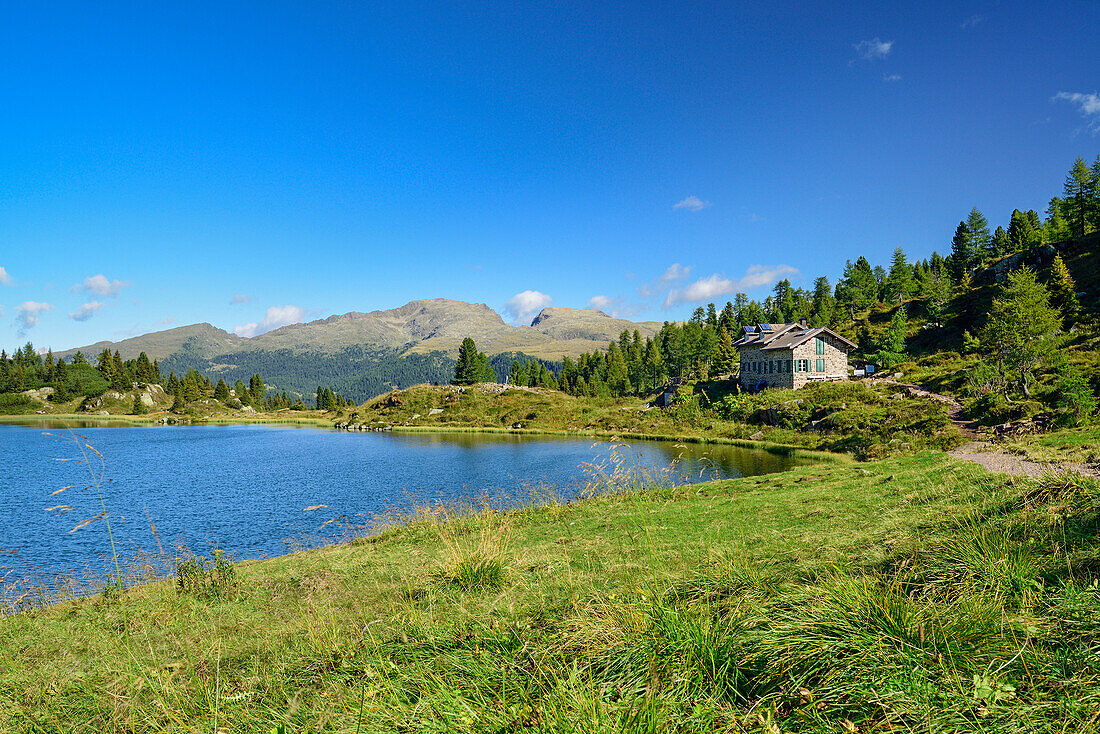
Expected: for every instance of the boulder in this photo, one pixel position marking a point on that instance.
(434, 411)
(147, 400)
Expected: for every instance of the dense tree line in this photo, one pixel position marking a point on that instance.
(356, 372)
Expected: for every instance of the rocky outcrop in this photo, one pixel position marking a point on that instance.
(1037, 258)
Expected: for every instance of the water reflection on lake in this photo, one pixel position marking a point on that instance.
(245, 488)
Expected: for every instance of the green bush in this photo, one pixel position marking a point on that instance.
(16, 404)
(200, 576)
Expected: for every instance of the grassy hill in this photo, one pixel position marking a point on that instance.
(867, 421)
(914, 594)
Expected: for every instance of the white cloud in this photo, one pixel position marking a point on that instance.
(276, 317)
(873, 49)
(615, 307)
(972, 21)
(717, 285)
(5, 279)
(166, 321)
(99, 285)
(691, 203)
(523, 307)
(27, 313)
(891, 77)
(240, 298)
(85, 312)
(1087, 104)
(675, 273)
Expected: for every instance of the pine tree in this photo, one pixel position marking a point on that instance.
(1079, 192)
(891, 350)
(221, 392)
(257, 388)
(999, 246)
(468, 368)
(823, 303)
(978, 227)
(935, 292)
(899, 283)
(242, 393)
(617, 381)
(1022, 233)
(728, 318)
(1056, 227)
(1022, 330)
(962, 251)
(1063, 292)
(725, 354)
(712, 316)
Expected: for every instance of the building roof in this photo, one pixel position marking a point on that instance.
(769, 337)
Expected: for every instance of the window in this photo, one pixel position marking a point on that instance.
(819, 347)
(820, 366)
(802, 365)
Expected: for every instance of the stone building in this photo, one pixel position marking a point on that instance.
(790, 355)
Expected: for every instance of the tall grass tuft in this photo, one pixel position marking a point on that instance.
(476, 557)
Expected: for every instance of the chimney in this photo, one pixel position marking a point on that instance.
(802, 323)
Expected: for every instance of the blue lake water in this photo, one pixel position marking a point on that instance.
(245, 488)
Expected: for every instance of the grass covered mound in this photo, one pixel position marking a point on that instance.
(852, 417)
(913, 594)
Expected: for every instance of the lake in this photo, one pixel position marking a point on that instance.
(246, 489)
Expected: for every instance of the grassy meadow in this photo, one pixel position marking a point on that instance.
(917, 593)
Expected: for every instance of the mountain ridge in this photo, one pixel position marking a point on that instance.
(420, 326)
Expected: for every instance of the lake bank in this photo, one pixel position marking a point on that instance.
(803, 598)
(262, 490)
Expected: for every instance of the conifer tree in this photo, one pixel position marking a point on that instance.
(1022, 330)
(725, 354)
(1079, 193)
(978, 227)
(999, 246)
(962, 251)
(1063, 292)
(221, 392)
(899, 282)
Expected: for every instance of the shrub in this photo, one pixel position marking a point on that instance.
(1074, 396)
(200, 576)
(16, 404)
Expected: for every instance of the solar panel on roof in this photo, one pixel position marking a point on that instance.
(749, 329)
(765, 327)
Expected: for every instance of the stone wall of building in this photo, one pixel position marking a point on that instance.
(778, 366)
(836, 361)
(778, 369)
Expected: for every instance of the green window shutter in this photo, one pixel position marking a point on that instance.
(820, 365)
(819, 345)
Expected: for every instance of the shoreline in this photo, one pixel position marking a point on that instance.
(153, 419)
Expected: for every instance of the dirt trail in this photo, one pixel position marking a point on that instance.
(983, 452)
(997, 460)
(966, 427)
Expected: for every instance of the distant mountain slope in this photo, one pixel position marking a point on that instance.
(199, 339)
(419, 327)
(367, 353)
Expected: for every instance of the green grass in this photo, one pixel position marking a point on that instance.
(1074, 444)
(912, 594)
(841, 417)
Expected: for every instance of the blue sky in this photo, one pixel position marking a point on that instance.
(250, 164)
